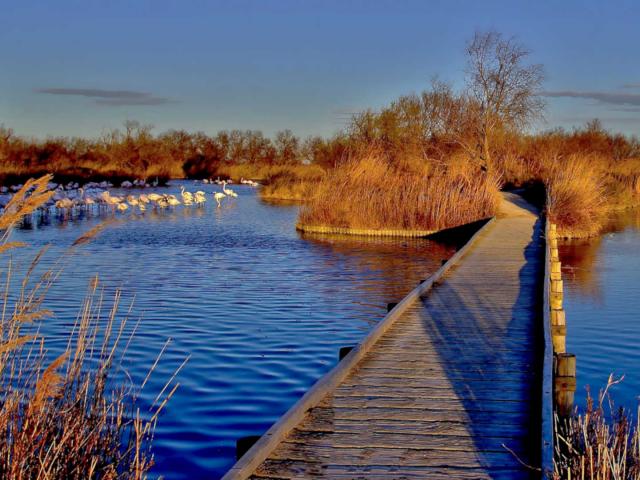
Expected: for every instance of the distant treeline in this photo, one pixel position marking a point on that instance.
(136, 152)
(427, 128)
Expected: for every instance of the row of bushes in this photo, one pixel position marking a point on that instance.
(137, 153)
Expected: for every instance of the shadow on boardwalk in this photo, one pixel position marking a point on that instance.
(484, 322)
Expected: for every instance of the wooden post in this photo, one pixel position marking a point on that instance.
(556, 301)
(244, 444)
(559, 343)
(344, 351)
(558, 331)
(558, 317)
(554, 255)
(556, 270)
(556, 286)
(565, 383)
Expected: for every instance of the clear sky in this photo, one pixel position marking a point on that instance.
(81, 67)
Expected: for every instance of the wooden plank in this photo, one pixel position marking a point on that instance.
(424, 457)
(291, 469)
(329, 423)
(414, 414)
(394, 440)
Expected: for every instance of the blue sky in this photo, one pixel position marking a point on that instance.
(82, 67)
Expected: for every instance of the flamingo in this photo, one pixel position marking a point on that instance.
(172, 200)
(228, 191)
(187, 197)
(218, 196)
(200, 197)
(133, 201)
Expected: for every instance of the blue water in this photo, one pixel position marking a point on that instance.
(602, 301)
(261, 310)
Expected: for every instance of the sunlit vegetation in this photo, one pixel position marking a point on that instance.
(601, 442)
(65, 416)
(372, 193)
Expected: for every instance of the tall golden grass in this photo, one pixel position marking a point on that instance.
(372, 193)
(576, 196)
(291, 183)
(66, 417)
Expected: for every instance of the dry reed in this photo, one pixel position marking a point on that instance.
(596, 445)
(576, 197)
(372, 193)
(66, 417)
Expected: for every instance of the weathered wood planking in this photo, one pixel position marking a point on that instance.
(446, 386)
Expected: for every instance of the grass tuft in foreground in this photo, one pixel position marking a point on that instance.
(594, 445)
(66, 416)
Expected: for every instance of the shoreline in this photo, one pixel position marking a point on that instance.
(370, 232)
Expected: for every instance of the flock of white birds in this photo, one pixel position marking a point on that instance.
(72, 196)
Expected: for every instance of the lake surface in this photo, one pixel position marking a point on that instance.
(261, 310)
(602, 301)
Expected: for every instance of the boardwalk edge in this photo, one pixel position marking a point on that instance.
(546, 434)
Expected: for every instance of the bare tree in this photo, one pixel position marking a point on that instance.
(504, 86)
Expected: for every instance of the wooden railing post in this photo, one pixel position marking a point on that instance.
(565, 383)
(564, 363)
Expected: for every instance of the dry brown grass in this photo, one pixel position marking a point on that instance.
(372, 193)
(595, 445)
(291, 183)
(66, 417)
(576, 196)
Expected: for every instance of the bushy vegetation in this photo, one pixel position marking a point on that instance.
(136, 152)
(65, 417)
(372, 193)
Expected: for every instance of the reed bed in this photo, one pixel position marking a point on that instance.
(576, 197)
(291, 183)
(372, 193)
(596, 445)
(73, 415)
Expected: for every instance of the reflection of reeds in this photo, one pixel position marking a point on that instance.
(596, 446)
(66, 418)
(581, 257)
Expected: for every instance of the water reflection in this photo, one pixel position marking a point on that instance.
(601, 277)
(261, 309)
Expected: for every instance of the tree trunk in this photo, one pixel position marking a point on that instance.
(486, 153)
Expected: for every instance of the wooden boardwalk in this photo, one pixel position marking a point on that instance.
(450, 390)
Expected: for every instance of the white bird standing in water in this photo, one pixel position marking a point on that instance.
(200, 197)
(228, 191)
(187, 197)
(218, 196)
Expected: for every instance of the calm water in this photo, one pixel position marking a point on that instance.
(602, 300)
(261, 310)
